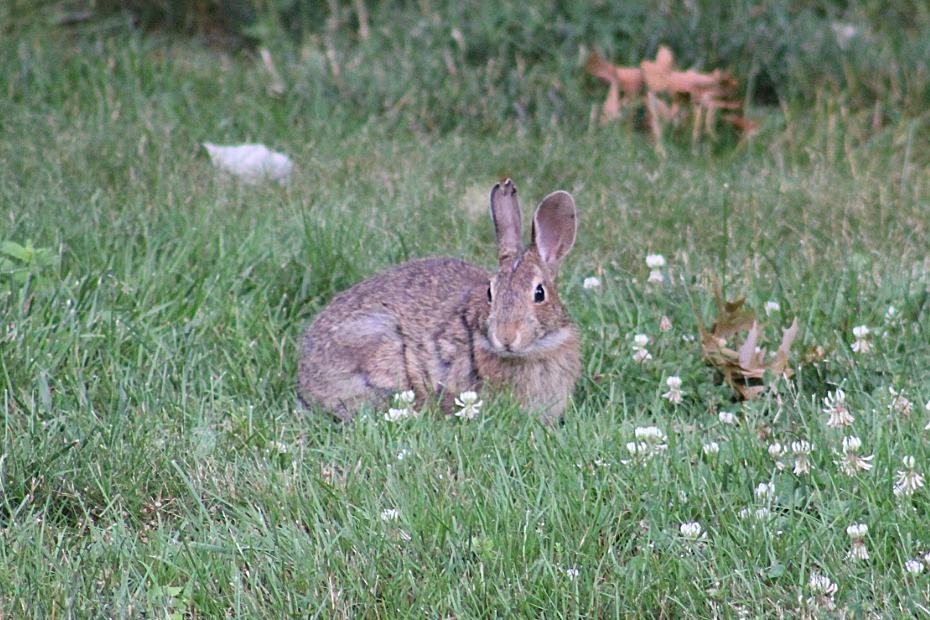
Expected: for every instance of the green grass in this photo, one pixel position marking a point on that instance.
(148, 358)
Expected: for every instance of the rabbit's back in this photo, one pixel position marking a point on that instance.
(402, 329)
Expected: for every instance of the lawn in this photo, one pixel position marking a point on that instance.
(155, 461)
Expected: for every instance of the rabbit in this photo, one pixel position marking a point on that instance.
(440, 326)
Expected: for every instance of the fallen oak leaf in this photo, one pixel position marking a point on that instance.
(779, 363)
(657, 73)
(747, 351)
(598, 67)
(743, 367)
(743, 125)
(605, 70)
(731, 318)
(702, 86)
(626, 79)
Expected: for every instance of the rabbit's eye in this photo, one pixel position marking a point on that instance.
(540, 294)
(489, 294)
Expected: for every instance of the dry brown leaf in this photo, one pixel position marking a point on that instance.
(631, 81)
(747, 360)
(657, 73)
(611, 107)
(731, 318)
(625, 79)
(707, 91)
(598, 67)
(701, 86)
(666, 111)
(741, 124)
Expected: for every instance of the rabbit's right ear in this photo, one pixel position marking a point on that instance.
(505, 209)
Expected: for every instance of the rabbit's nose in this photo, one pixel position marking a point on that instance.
(506, 337)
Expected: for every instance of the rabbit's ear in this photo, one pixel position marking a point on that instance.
(554, 228)
(505, 209)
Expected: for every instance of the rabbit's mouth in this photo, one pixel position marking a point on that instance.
(537, 347)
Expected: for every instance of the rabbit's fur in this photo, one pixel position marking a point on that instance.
(440, 326)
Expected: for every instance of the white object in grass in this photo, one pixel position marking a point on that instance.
(908, 480)
(838, 411)
(850, 462)
(674, 393)
(861, 345)
(469, 403)
(250, 162)
(802, 453)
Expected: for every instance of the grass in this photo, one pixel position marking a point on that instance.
(153, 458)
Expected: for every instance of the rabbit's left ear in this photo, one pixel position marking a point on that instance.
(554, 227)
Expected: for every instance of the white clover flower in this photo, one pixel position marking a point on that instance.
(691, 530)
(821, 584)
(776, 451)
(899, 404)
(637, 448)
(850, 461)
(913, 567)
(802, 452)
(891, 314)
(771, 306)
(389, 514)
(861, 345)
(726, 417)
(760, 514)
(572, 574)
(649, 442)
(654, 261)
(765, 492)
(639, 347)
(851, 444)
(470, 405)
(591, 282)
(857, 533)
(674, 393)
(823, 590)
(404, 409)
(908, 480)
(711, 448)
(405, 398)
(651, 434)
(665, 324)
(836, 407)
(641, 355)
(395, 415)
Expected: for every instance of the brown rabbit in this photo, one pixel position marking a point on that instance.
(441, 325)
